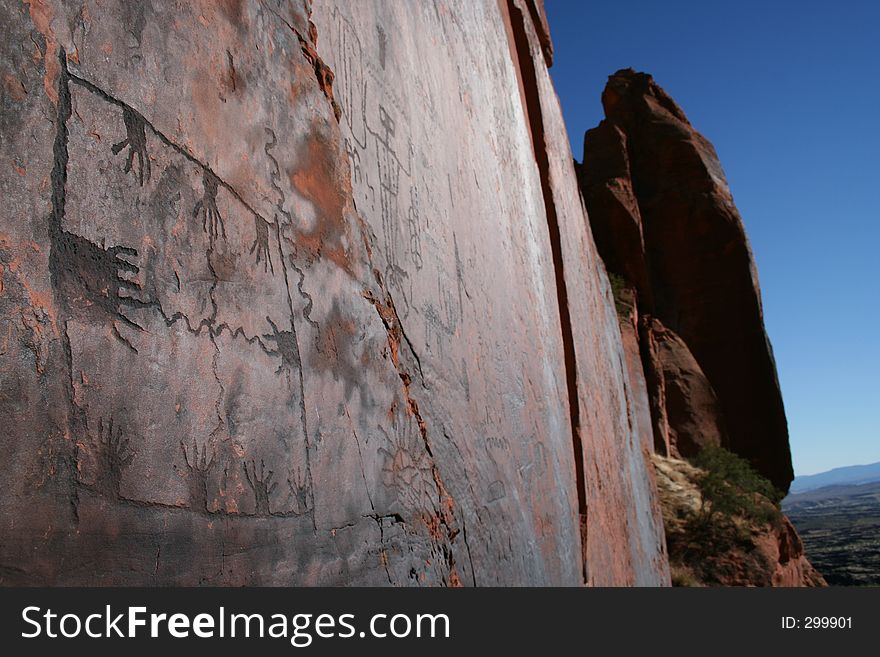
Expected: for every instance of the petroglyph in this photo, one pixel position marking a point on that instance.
(136, 141)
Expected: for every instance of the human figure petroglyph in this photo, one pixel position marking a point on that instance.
(415, 228)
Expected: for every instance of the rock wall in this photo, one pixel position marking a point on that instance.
(665, 221)
(296, 294)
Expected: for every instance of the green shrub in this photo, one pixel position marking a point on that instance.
(683, 576)
(716, 542)
(730, 487)
(622, 293)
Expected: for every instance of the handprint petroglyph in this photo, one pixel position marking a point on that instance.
(261, 243)
(113, 455)
(260, 481)
(300, 489)
(206, 208)
(198, 466)
(136, 140)
(91, 279)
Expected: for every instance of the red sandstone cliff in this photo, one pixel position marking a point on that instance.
(664, 219)
(304, 293)
(698, 358)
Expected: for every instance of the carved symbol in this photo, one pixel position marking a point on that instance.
(383, 46)
(497, 442)
(496, 491)
(399, 283)
(199, 466)
(298, 482)
(387, 123)
(350, 84)
(212, 221)
(407, 469)
(261, 243)
(415, 228)
(285, 346)
(442, 323)
(354, 159)
(536, 468)
(390, 168)
(136, 140)
(260, 482)
(103, 266)
(275, 176)
(113, 457)
(498, 544)
(539, 459)
(389, 185)
(87, 276)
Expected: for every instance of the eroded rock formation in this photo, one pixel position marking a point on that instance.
(296, 294)
(664, 220)
(698, 360)
(686, 410)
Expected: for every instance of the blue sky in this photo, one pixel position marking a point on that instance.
(789, 93)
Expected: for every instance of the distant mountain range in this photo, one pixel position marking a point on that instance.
(846, 476)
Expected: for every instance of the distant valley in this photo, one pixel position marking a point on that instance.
(837, 515)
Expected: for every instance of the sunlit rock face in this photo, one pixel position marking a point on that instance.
(304, 293)
(665, 221)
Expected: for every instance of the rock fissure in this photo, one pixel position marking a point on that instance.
(524, 63)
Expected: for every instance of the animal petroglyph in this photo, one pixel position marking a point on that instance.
(285, 346)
